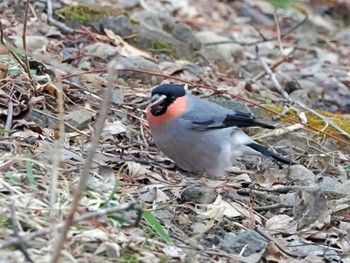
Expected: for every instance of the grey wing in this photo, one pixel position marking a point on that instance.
(204, 115)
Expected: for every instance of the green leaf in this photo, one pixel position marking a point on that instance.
(156, 226)
(3, 130)
(282, 3)
(30, 175)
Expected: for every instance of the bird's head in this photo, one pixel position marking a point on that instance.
(168, 101)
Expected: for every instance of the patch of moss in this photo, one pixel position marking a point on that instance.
(125, 257)
(163, 47)
(342, 121)
(85, 13)
(4, 222)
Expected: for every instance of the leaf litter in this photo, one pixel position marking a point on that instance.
(267, 212)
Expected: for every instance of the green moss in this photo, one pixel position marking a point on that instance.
(125, 257)
(163, 47)
(85, 13)
(341, 121)
(4, 222)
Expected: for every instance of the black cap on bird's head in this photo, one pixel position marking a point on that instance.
(164, 95)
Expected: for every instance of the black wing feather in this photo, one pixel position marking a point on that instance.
(238, 119)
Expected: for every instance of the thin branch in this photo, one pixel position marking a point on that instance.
(24, 40)
(279, 38)
(272, 76)
(21, 245)
(8, 123)
(269, 207)
(10, 48)
(62, 27)
(289, 31)
(88, 162)
(59, 145)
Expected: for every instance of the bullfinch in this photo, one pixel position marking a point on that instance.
(199, 135)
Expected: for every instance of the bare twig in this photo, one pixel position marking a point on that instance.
(272, 76)
(86, 170)
(269, 207)
(62, 27)
(10, 48)
(289, 31)
(21, 244)
(25, 42)
(98, 213)
(8, 123)
(59, 145)
(279, 38)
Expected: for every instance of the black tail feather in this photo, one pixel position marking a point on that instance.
(268, 153)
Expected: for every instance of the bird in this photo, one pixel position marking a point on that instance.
(201, 136)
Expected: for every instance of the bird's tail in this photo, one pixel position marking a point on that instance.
(268, 153)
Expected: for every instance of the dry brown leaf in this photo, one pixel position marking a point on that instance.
(274, 254)
(281, 223)
(125, 49)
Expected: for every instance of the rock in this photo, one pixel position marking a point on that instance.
(165, 216)
(100, 50)
(79, 119)
(255, 15)
(153, 40)
(184, 33)
(301, 95)
(300, 175)
(223, 55)
(149, 19)
(249, 239)
(344, 36)
(198, 195)
(32, 42)
(284, 147)
(138, 63)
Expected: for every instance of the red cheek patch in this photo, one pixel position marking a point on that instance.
(174, 110)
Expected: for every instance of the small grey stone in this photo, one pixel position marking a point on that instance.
(138, 63)
(32, 42)
(301, 95)
(165, 216)
(117, 96)
(284, 147)
(344, 36)
(148, 18)
(184, 33)
(198, 195)
(253, 242)
(79, 119)
(223, 55)
(100, 50)
(300, 175)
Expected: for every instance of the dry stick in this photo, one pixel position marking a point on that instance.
(59, 145)
(10, 48)
(278, 31)
(125, 207)
(87, 165)
(293, 120)
(289, 31)
(8, 123)
(21, 245)
(64, 29)
(278, 86)
(24, 40)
